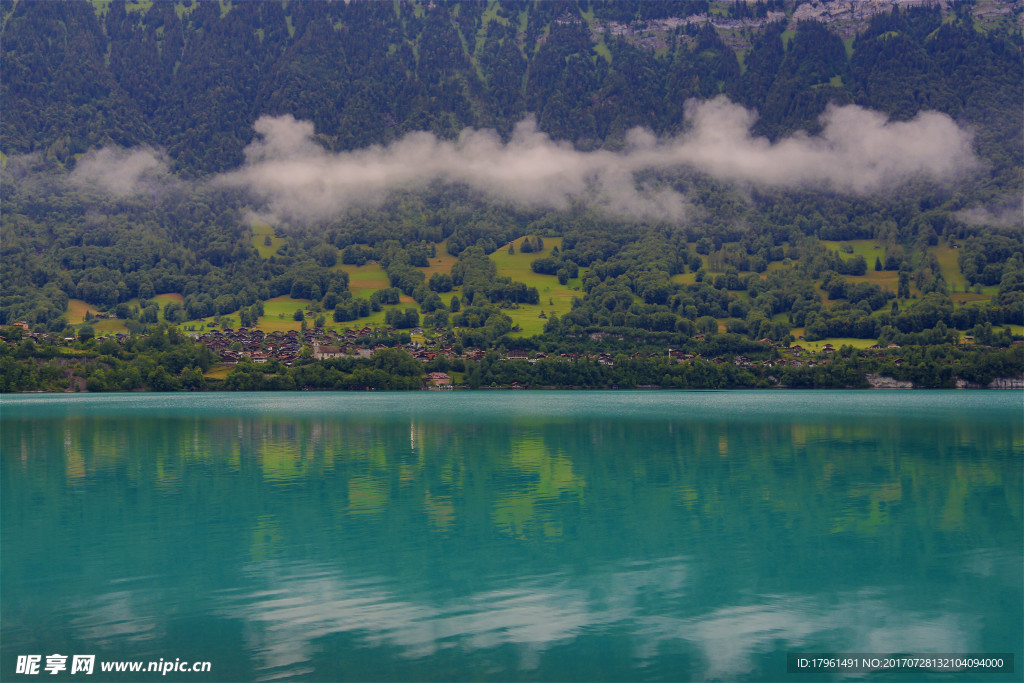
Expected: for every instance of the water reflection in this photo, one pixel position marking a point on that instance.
(308, 603)
(667, 541)
(537, 614)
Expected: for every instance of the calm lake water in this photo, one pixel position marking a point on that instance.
(552, 536)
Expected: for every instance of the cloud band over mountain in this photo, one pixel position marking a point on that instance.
(857, 152)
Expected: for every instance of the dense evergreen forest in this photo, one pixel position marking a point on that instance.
(588, 183)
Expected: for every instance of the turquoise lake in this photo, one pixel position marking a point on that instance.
(510, 535)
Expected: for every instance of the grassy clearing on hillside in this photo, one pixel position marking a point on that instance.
(886, 279)
(967, 298)
(106, 327)
(100, 7)
(283, 305)
(279, 314)
(489, 15)
(365, 280)
(685, 278)
(599, 46)
(164, 299)
(442, 263)
(947, 257)
(160, 300)
(527, 317)
(260, 231)
(554, 298)
(182, 8)
(77, 310)
(798, 333)
(217, 372)
(517, 266)
(837, 342)
(869, 249)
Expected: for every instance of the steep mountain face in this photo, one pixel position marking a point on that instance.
(192, 77)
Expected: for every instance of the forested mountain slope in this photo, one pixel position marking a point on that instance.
(192, 78)
(749, 168)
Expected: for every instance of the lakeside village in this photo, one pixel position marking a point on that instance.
(284, 349)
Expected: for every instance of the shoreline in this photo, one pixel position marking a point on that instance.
(1014, 384)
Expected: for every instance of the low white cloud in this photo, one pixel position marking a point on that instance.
(1006, 215)
(858, 152)
(122, 172)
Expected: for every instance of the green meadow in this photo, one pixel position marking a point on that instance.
(886, 279)
(836, 342)
(554, 298)
(78, 308)
(442, 263)
(685, 278)
(947, 258)
(869, 249)
(279, 314)
(260, 232)
(366, 279)
(107, 327)
(218, 371)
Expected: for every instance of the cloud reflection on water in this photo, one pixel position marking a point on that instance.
(285, 624)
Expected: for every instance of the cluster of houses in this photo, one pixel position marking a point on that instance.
(744, 362)
(235, 345)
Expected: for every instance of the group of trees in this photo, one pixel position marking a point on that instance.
(162, 360)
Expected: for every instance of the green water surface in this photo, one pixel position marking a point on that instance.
(552, 536)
